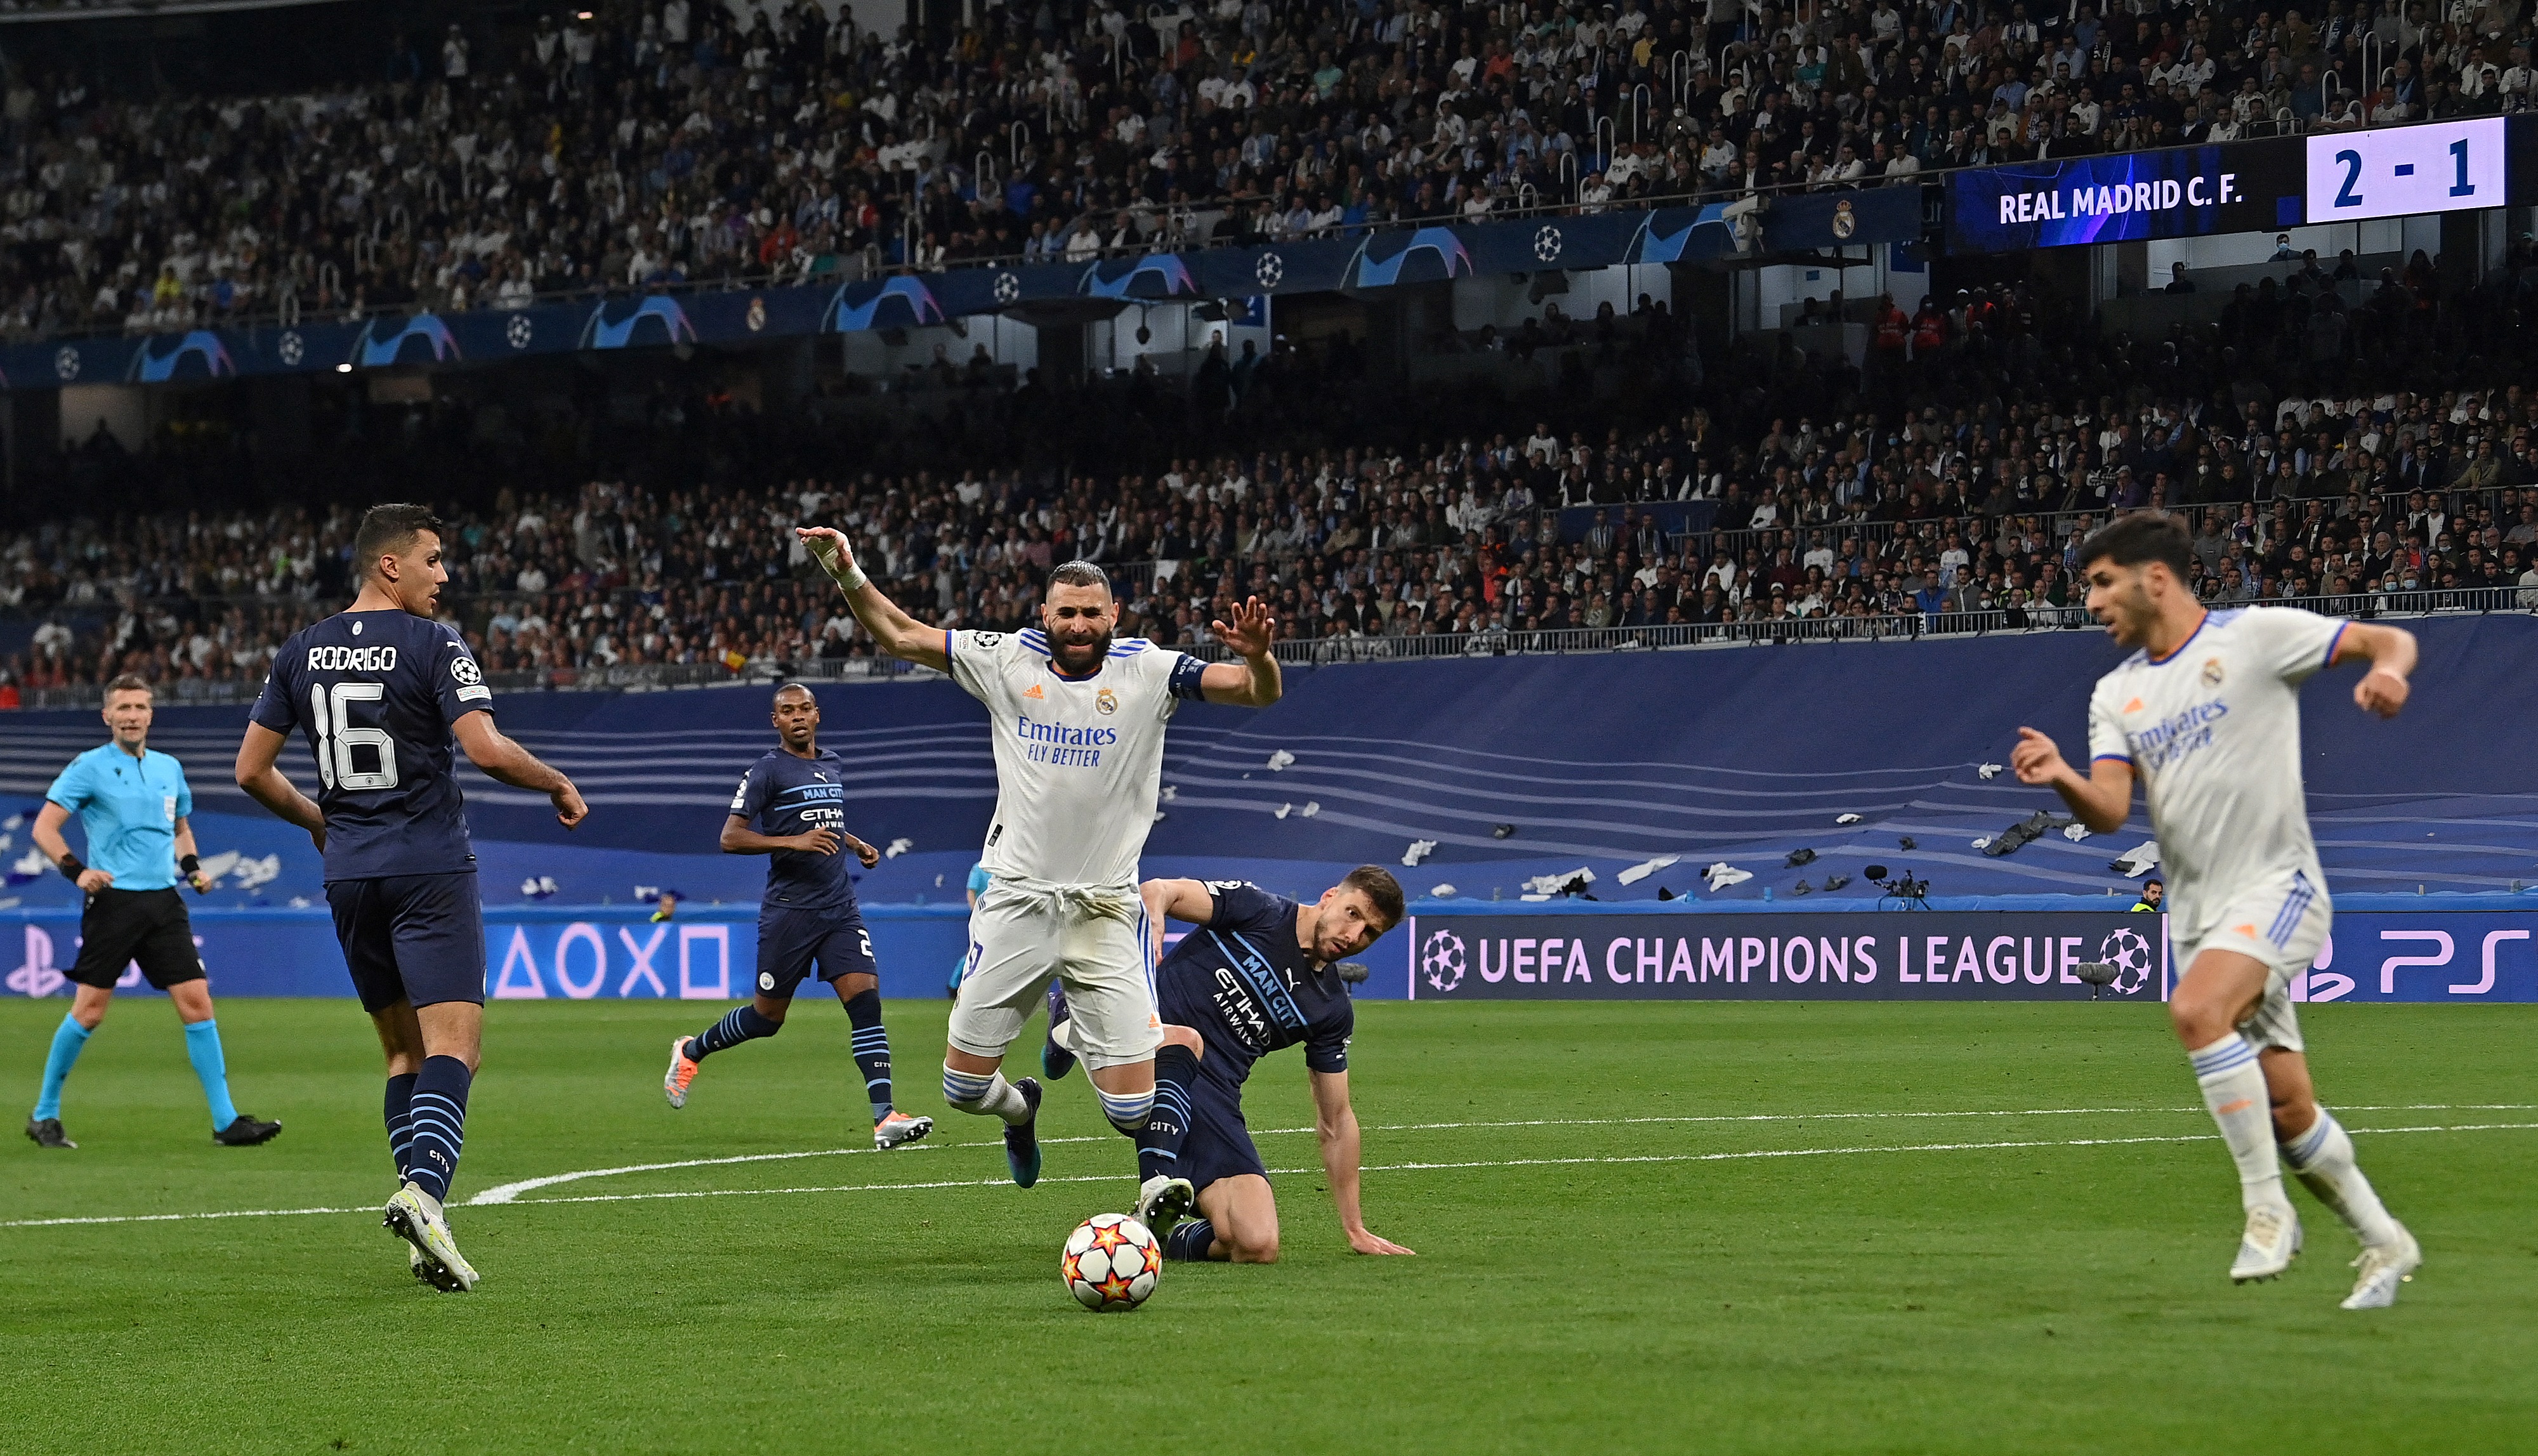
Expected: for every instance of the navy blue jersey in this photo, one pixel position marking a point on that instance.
(1244, 983)
(782, 794)
(374, 694)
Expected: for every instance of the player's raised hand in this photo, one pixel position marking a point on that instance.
(569, 808)
(1366, 1242)
(2037, 759)
(1250, 632)
(828, 546)
(822, 841)
(2381, 691)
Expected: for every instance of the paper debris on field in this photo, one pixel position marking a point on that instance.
(1442, 892)
(1531, 897)
(1990, 770)
(1311, 808)
(251, 873)
(1846, 818)
(1646, 867)
(1723, 874)
(2075, 833)
(897, 847)
(1172, 791)
(1282, 810)
(538, 886)
(1280, 759)
(1554, 883)
(1419, 850)
(2139, 860)
(1982, 843)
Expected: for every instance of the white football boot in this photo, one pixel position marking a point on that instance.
(2266, 1248)
(2384, 1266)
(416, 1216)
(1164, 1201)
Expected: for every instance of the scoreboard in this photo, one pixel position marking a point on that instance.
(2257, 186)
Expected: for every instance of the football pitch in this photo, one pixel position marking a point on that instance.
(1718, 1228)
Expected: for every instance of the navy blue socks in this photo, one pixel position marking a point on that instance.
(1159, 1144)
(872, 1049)
(1189, 1240)
(743, 1024)
(438, 1123)
(400, 1121)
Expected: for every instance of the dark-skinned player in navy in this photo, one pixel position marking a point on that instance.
(382, 693)
(791, 808)
(1261, 973)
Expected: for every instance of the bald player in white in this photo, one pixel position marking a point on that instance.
(1077, 721)
(2206, 715)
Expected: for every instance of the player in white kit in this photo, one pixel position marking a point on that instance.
(1078, 720)
(2206, 715)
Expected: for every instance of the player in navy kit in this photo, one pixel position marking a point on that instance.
(1260, 973)
(380, 691)
(791, 808)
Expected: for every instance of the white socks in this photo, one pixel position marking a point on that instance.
(2323, 1157)
(2234, 1088)
(989, 1095)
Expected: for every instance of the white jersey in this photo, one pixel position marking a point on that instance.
(2213, 732)
(1079, 760)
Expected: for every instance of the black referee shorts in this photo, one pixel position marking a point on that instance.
(122, 926)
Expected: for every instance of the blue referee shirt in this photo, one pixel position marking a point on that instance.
(129, 806)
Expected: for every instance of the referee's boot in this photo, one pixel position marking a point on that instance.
(246, 1132)
(46, 1132)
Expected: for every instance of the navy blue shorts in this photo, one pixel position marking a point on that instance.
(791, 942)
(1219, 1145)
(418, 938)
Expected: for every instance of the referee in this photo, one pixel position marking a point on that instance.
(133, 802)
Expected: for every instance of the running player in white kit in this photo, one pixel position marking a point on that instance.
(1078, 718)
(2206, 715)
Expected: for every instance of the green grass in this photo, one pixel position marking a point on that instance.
(2009, 1300)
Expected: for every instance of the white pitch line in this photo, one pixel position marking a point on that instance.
(1394, 1168)
(509, 1192)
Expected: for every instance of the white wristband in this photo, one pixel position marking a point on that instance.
(853, 578)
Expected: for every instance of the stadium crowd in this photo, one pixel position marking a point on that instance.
(676, 143)
(1917, 492)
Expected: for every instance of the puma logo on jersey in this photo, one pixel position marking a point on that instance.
(1033, 690)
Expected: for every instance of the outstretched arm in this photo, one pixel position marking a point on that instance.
(1255, 683)
(900, 636)
(1185, 900)
(2101, 801)
(1335, 1122)
(505, 762)
(258, 754)
(2390, 651)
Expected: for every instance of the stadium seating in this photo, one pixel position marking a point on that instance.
(677, 146)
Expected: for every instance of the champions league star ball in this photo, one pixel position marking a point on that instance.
(2132, 958)
(1110, 1262)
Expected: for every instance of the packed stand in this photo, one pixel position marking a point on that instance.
(668, 145)
(1808, 500)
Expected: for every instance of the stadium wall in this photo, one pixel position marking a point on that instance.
(2427, 952)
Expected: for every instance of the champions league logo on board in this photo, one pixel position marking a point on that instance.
(1440, 961)
(2131, 955)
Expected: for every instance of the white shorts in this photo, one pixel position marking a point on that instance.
(1020, 937)
(2282, 922)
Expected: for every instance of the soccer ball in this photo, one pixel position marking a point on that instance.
(1110, 1262)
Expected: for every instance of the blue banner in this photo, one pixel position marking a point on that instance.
(904, 300)
(533, 953)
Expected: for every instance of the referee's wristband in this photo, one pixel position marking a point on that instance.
(71, 868)
(191, 864)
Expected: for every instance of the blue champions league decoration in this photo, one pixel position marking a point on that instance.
(859, 306)
(155, 361)
(378, 344)
(626, 330)
(1381, 259)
